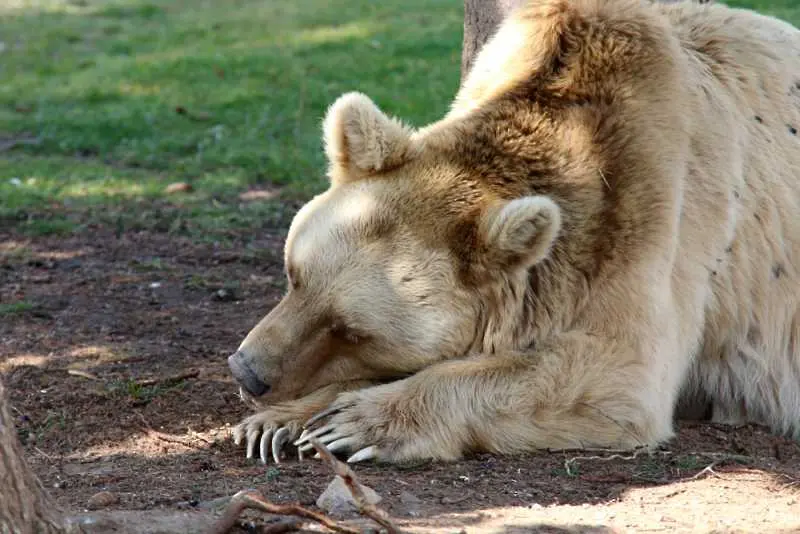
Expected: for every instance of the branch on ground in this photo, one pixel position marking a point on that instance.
(632, 454)
(252, 499)
(363, 505)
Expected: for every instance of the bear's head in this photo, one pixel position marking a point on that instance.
(387, 269)
(556, 170)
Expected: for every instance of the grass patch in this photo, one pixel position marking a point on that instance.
(788, 10)
(125, 97)
(15, 308)
(108, 103)
(137, 392)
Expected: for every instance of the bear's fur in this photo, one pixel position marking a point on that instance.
(606, 223)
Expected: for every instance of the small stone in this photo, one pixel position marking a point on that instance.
(337, 500)
(224, 295)
(178, 187)
(455, 499)
(217, 504)
(407, 497)
(101, 500)
(410, 503)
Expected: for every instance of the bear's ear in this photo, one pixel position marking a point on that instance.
(360, 137)
(521, 232)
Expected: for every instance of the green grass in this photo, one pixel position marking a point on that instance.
(106, 103)
(788, 10)
(15, 308)
(144, 393)
(94, 90)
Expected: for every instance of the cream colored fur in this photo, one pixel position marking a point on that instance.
(511, 307)
(358, 137)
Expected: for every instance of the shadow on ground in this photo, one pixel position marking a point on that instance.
(113, 351)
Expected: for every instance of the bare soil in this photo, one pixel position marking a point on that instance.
(117, 375)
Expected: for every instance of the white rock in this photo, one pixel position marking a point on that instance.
(336, 498)
(407, 497)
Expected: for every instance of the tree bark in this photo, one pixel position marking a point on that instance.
(481, 19)
(25, 507)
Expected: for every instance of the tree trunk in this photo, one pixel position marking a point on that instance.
(481, 19)
(25, 508)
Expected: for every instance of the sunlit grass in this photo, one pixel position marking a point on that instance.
(12, 6)
(116, 100)
(788, 10)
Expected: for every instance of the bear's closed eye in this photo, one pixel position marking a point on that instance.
(343, 332)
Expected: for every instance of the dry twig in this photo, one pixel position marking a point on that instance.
(44, 454)
(186, 442)
(173, 379)
(82, 374)
(632, 454)
(292, 525)
(254, 500)
(596, 449)
(792, 481)
(615, 454)
(365, 508)
(707, 470)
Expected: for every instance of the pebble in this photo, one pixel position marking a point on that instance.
(218, 504)
(410, 503)
(101, 500)
(406, 497)
(336, 499)
(224, 295)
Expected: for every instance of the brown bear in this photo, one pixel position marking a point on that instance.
(604, 228)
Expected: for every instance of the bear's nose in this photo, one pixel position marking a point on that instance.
(245, 376)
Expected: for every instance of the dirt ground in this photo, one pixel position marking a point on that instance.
(117, 375)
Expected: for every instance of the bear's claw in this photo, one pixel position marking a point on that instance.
(252, 439)
(304, 440)
(280, 438)
(335, 441)
(265, 437)
(321, 415)
(367, 453)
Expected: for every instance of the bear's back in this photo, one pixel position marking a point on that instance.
(746, 171)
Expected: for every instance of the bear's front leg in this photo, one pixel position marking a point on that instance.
(580, 390)
(276, 425)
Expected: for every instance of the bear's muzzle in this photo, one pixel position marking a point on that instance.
(245, 376)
